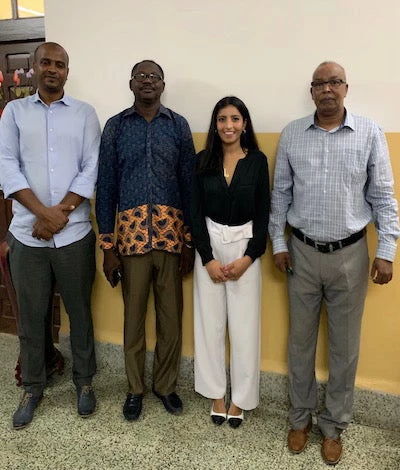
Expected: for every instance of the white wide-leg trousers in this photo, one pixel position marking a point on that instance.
(239, 304)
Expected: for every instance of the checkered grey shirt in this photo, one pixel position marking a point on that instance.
(332, 184)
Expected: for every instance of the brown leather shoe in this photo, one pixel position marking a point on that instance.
(331, 450)
(297, 438)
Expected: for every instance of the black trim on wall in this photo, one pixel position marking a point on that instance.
(23, 29)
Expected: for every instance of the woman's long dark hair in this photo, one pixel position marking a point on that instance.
(212, 156)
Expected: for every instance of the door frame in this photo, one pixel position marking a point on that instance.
(22, 29)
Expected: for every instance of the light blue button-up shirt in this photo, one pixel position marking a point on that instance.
(332, 184)
(52, 150)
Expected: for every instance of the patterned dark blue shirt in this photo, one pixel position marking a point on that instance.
(145, 171)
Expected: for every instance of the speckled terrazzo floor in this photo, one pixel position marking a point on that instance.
(58, 439)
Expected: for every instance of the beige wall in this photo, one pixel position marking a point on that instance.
(264, 51)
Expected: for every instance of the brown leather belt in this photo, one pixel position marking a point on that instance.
(328, 247)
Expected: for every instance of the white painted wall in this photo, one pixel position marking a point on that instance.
(264, 51)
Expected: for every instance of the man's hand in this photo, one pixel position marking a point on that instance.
(186, 261)
(283, 262)
(381, 271)
(110, 264)
(55, 218)
(233, 271)
(51, 220)
(41, 232)
(215, 271)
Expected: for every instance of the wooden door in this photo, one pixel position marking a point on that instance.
(16, 61)
(7, 317)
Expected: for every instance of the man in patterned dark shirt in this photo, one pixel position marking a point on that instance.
(146, 164)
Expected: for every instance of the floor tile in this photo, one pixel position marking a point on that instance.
(58, 439)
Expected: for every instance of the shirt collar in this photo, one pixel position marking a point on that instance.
(36, 99)
(349, 121)
(132, 111)
(309, 121)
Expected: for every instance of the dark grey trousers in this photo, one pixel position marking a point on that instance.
(340, 280)
(34, 272)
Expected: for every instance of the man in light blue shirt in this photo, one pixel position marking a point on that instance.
(49, 145)
(332, 177)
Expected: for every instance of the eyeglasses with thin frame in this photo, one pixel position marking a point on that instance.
(141, 77)
(333, 83)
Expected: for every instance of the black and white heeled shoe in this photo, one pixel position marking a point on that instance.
(235, 421)
(217, 418)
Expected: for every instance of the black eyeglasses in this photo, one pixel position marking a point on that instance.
(141, 77)
(333, 83)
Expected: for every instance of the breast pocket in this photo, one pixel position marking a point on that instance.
(355, 166)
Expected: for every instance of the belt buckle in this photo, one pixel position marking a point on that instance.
(324, 247)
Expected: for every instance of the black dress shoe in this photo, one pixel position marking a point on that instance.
(86, 401)
(172, 403)
(24, 414)
(132, 406)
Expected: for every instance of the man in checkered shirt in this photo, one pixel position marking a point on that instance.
(332, 177)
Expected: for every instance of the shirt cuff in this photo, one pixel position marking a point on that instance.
(106, 241)
(279, 245)
(82, 188)
(9, 189)
(251, 254)
(386, 250)
(206, 257)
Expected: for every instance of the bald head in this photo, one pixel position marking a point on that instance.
(331, 64)
(50, 46)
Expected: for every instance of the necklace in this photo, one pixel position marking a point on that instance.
(227, 174)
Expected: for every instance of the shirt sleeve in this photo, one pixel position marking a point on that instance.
(107, 186)
(380, 196)
(11, 177)
(257, 245)
(282, 196)
(200, 235)
(186, 166)
(85, 181)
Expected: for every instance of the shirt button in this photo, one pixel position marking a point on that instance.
(51, 130)
(51, 149)
(52, 169)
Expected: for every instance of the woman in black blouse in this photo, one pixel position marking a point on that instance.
(230, 207)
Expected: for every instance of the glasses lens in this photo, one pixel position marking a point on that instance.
(154, 77)
(335, 83)
(139, 77)
(318, 85)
